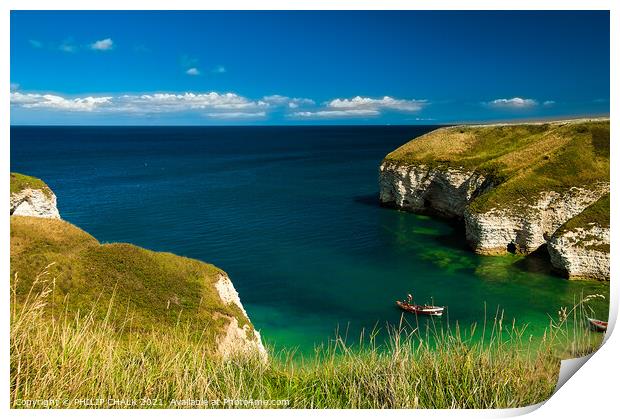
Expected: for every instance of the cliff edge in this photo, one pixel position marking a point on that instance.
(134, 290)
(32, 197)
(513, 186)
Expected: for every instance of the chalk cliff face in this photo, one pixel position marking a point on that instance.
(446, 191)
(34, 203)
(524, 228)
(510, 186)
(581, 252)
(237, 340)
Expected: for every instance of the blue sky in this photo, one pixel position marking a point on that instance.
(347, 67)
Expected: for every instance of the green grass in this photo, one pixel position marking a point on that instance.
(161, 290)
(522, 160)
(20, 182)
(75, 358)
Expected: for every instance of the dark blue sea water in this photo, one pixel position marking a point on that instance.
(291, 213)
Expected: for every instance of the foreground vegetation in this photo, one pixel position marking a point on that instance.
(80, 361)
(521, 160)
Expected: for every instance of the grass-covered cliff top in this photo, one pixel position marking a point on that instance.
(20, 182)
(523, 159)
(150, 290)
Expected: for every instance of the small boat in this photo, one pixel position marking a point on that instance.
(420, 309)
(597, 325)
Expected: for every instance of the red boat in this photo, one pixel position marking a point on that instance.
(418, 309)
(597, 325)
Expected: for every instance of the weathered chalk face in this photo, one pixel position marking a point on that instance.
(34, 203)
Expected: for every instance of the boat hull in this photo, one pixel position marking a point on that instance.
(597, 325)
(419, 309)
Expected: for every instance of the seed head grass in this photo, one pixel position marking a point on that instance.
(78, 356)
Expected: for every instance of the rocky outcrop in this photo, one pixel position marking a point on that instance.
(523, 228)
(520, 228)
(237, 341)
(512, 185)
(34, 203)
(581, 252)
(445, 191)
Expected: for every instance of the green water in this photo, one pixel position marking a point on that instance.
(428, 257)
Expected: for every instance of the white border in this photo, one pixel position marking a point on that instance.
(591, 393)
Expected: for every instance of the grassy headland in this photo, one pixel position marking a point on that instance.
(159, 289)
(522, 159)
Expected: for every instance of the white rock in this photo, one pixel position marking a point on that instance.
(34, 203)
(418, 187)
(520, 227)
(525, 227)
(235, 341)
(577, 253)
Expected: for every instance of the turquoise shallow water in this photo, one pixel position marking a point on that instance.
(291, 213)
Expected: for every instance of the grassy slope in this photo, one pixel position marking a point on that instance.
(20, 182)
(77, 360)
(157, 289)
(524, 159)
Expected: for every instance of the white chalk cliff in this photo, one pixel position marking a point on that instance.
(522, 227)
(34, 203)
(525, 227)
(237, 341)
(581, 252)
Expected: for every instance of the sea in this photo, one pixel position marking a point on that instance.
(292, 214)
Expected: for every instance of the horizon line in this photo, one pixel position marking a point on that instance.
(451, 123)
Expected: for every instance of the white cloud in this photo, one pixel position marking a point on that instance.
(219, 69)
(35, 44)
(170, 102)
(276, 99)
(513, 103)
(213, 105)
(47, 101)
(193, 71)
(237, 115)
(387, 102)
(337, 113)
(235, 106)
(355, 107)
(549, 103)
(67, 46)
(102, 45)
(291, 102)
